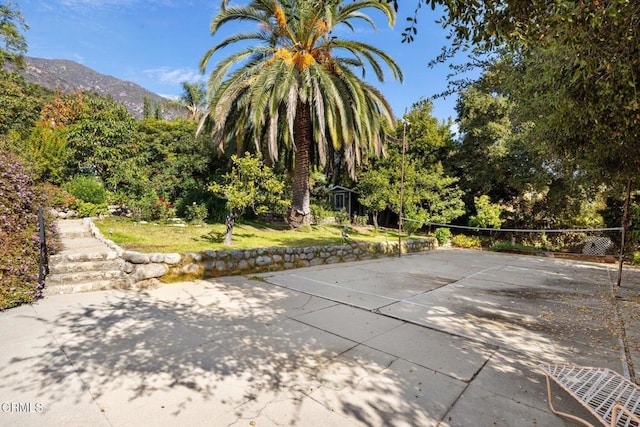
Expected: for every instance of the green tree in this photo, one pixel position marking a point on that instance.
(46, 147)
(374, 189)
(487, 213)
(431, 141)
(13, 44)
(249, 184)
(499, 154)
(296, 87)
(482, 157)
(571, 66)
(100, 137)
(428, 195)
(20, 104)
(158, 111)
(46, 150)
(146, 108)
(170, 159)
(20, 101)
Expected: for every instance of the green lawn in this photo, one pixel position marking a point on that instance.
(156, 237)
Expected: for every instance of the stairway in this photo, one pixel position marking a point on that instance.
(84, 264)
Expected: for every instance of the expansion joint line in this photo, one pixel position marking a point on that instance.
(445, 417)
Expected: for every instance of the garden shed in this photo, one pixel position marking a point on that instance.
(343, 198)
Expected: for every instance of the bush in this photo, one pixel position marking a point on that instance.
(507, 246)
(87, 210)
(342, 217)
(20, 249)
(320, 213)
(636, 258)
(410, 227)
(443, 235)
(57, 197)
(360, 220)
(87, 188)
(462, 241)
(150, 207)
(196, 213)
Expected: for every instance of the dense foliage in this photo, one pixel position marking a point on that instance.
(21, 103)
(571, 73)
(19, 234)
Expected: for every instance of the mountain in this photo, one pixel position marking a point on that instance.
(69, 76)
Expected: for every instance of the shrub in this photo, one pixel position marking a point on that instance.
(462, 241)
(150, 207)
(636, 258)
(443, 235)
(87, 188)
(342, 217)
(87, 210)
(20, 249)
(360, 220)
(410, 227)
(320, 212)
(196, 213)
(57, 197)
(507, 246)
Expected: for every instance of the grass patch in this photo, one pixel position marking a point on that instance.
(155, 237)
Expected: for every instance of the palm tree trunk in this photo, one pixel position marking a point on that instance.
(300, 212)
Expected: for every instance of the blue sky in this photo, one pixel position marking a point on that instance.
(159, 43)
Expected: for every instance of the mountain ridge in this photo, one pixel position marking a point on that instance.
(69, 76)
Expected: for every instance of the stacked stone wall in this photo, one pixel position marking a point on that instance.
(141, 267)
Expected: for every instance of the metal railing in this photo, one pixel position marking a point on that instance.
(43, 261)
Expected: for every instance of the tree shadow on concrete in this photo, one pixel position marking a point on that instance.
(217, 350)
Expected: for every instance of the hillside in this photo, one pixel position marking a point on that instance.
(69, 76)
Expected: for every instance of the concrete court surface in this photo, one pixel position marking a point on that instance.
(444, 338)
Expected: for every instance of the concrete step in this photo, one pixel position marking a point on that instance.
(82, 276)
(76, 234)
(72, 225)
(79, 257)
(88, 286)
(83, 245)
(64, 265)
(84, 264)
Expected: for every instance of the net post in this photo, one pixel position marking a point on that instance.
(625, 224)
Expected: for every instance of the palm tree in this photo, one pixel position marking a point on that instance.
(296, 87)
(193, 98)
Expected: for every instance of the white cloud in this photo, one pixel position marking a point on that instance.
(174, 76)
(78, 58)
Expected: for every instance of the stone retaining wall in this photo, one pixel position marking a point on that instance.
(140, 267)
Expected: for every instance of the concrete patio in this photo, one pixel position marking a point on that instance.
(444, 338)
